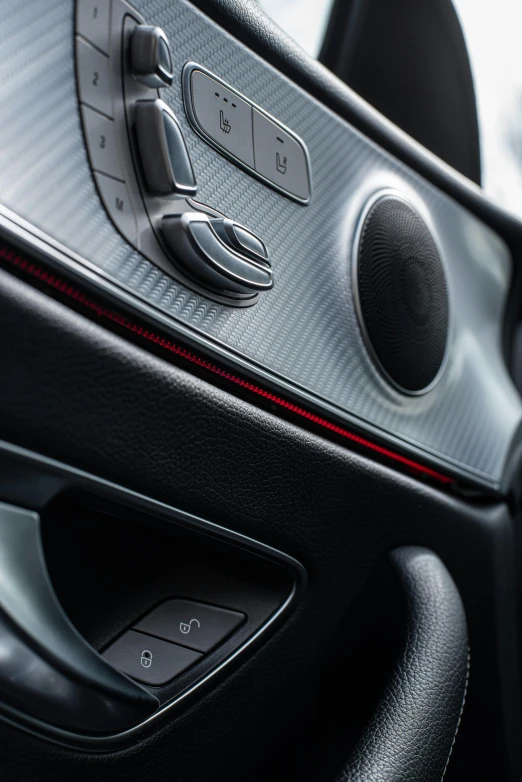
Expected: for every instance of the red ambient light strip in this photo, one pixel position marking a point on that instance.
(65, 288)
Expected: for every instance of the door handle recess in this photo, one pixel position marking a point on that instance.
(411, 733)
(47, 670)
(192, 239)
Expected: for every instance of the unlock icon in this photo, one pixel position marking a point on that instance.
(186, 627)
(146, 658)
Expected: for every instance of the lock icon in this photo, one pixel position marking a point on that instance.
(146, 658)
(186, 627)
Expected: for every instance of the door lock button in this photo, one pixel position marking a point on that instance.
(149, 660)
(196, 625)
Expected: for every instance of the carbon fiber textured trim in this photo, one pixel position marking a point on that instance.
(305, 330)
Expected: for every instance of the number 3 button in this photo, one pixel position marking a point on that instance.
(101, 143)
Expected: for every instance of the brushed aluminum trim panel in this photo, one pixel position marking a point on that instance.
(302, 337)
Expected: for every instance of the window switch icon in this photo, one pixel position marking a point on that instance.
(186, 627)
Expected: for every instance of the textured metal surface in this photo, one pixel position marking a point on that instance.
(306, 329)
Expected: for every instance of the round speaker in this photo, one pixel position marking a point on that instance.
(401, 294)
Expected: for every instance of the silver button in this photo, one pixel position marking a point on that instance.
(101, 142)
(280, 158)
(115, 196)
(223, 116)
(94, 85)
(92, 22)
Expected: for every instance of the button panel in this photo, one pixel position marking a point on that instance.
(140, 160)
(171, 638)
(196, 625)
(149, 660)
(246, 134)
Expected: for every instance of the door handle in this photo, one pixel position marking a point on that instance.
(47, 670)
(411, 733)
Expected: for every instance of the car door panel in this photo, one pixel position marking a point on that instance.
(269, 421)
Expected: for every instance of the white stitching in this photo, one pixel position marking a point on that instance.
(460, 715)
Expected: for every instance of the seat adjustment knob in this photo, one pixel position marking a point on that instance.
(150, 57)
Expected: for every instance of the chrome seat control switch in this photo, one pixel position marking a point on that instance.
(191, 238)
(150, 58)
(240, 239)
(138, 151)
(163, 153)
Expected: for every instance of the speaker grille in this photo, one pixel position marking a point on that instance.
(402, 293)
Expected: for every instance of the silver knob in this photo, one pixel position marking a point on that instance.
(191, 238)
(164, 156)
(150, 57)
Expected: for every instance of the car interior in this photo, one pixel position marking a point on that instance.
(260, 390)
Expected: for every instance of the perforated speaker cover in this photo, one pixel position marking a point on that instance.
(403, 298)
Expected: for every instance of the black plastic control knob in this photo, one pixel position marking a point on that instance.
(150, 57)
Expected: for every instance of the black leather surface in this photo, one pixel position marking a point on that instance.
(248, 22)
(411, 734)
(73, 390)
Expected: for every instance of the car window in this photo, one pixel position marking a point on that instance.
(492, 34)
(304, 20)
